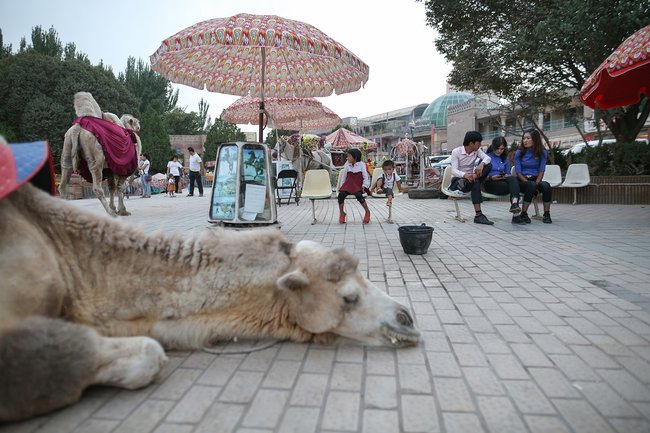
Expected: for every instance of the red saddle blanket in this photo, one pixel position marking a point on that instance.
(117, 143)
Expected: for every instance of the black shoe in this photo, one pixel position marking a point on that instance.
(517, 220)
(524, 217)
(515, 209)
(189, 195)
(546, 219)
(482, 219)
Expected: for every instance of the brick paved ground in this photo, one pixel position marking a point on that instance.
(540, 328)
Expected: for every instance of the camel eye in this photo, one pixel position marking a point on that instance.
(351, 299)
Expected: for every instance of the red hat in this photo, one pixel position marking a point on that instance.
(22, 162)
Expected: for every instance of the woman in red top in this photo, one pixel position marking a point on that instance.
(354, 180)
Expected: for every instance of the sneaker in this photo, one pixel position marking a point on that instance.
(546, 218)
(200, 195)
(515, 209)
(189, 195)
(525, 218)
(482, 219)
(517, 220)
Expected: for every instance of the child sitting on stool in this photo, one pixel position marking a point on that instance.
(354, 179)
(387, 180)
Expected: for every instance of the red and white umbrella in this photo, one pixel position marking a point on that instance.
(259, 55)
(298, 114)
(344, 139)
(623, 76)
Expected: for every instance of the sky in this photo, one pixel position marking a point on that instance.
(391, 37)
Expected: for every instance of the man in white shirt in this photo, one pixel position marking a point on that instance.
(174, 168)
(196, 166)
(466, 177)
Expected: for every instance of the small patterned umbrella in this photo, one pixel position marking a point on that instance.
(623, 76)
(287, 113)
(344, 139)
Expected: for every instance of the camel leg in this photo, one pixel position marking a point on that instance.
(110, 183)
(66, 172)
(121, 208)
(45, 364)
(96, 172)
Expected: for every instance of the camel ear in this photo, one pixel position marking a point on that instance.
(342, 264)
(295, 280)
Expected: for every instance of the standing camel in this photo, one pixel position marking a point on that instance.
(83, 152)
(302, 161)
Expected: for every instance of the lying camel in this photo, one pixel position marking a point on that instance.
(86, 299)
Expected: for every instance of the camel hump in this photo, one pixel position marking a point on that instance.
(112, 118)
(85, 105)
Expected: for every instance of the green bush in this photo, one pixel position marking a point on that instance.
(616, 159)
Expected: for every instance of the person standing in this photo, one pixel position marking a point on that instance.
(144, 176)
(530, 164)
(466, 177)
(174, 168)
(196, 167)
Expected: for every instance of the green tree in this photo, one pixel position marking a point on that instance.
(220, 132)
(36, 91)
(179, 122)
(271, 139)
(151, 89)
(155, 140)
(532, 58)
(5, 50)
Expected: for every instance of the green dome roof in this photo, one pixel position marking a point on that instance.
(436, 112)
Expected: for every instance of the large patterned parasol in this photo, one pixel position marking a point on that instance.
(344, 139)
(623, 76)
(259, 55)
(287, 113)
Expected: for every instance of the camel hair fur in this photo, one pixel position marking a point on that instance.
(81, 143)
(88, 299)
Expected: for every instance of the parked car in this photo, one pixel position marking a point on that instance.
(442, 165)
(437, 158)
(578, 148)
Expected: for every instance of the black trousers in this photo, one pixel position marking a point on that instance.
(196, 176)
(474, 187)
(357, 195)
(530, 186)
(177, 184)
(507, 185)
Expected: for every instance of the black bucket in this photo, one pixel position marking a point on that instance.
(415, 239)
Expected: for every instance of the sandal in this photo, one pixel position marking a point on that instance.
(366, 218)
(342, 218)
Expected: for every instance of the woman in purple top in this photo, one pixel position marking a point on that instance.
(499, 180)
(530, 164)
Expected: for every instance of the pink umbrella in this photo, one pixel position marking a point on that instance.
(287, 113)
(259, 55)
(344, 139)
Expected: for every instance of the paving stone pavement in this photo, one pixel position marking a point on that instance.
(537, 328)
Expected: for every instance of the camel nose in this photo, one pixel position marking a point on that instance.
(403, 317)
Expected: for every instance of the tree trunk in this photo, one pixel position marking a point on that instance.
(626, 122)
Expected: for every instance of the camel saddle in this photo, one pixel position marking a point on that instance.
(117, 143)
(24, 162)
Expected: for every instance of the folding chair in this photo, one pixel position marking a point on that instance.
(316, 186)
(577, 176)
(453, 195)
(280, 184)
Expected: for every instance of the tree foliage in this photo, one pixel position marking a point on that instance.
(220, 132)
(532, 51)
(155, 140)
(271, 139)
(151, 89)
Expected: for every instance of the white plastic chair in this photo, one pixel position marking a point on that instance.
(553, 175)
(316, 186)
(577, 176)
(453, 195)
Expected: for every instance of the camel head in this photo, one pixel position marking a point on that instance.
(326, 293)
(130, 122)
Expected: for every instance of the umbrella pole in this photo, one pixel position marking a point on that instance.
(261, 118)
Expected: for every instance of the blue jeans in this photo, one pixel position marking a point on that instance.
(146, 186)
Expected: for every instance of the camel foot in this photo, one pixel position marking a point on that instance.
(124, 212)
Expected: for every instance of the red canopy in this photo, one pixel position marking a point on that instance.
(344, 139)
(623, 76)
